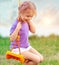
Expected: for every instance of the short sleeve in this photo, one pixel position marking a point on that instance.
(13, 27)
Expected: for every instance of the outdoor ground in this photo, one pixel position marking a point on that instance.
(47, 46)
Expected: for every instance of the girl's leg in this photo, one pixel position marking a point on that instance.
(30, 63)
(37, 53)
(33, 58)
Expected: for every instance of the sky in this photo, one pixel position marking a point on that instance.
(46, 21)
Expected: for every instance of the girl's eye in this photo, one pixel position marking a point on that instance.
(29, 16)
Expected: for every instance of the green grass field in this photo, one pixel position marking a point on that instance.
(47, 46)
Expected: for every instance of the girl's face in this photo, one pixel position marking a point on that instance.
(27, 15)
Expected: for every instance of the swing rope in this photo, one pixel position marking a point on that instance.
(10, 55)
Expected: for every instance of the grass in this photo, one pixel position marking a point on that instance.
(47, 46)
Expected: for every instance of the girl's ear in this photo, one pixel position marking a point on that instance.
(18, 18)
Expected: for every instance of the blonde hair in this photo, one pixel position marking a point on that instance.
(27, 5)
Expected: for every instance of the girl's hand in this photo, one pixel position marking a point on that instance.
(31, 26)
(14, 35)
(19, 25)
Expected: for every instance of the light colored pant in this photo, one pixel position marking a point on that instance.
(16, 50)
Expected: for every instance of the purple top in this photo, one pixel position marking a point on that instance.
(23, 35)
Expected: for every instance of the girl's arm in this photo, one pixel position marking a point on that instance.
(31, 27)
(13, 36)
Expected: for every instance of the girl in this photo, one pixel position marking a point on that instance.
(21, 26)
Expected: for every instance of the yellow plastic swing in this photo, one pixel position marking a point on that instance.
(11, 55)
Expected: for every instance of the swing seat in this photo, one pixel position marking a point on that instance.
(10, 55)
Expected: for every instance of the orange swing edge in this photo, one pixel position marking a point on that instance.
(10, 55)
